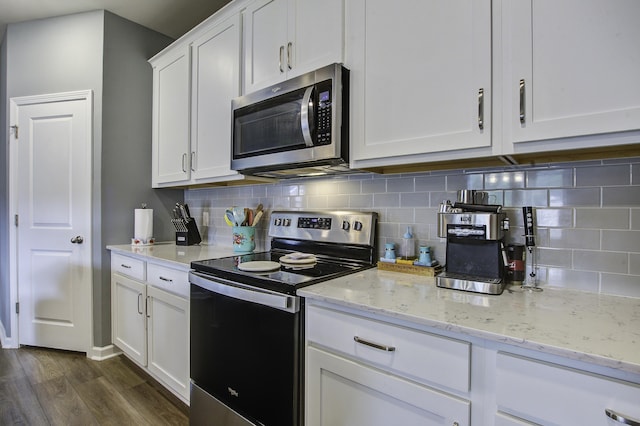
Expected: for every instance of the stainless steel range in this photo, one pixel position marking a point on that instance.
(247, 331)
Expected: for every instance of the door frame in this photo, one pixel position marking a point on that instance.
(15, 103)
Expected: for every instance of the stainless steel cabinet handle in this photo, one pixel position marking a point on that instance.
(522, 111)
(184, 162)
(146, 306)
(481, 108)
(374, 345)
(289, 46)
(621, 418)
(125, 266)
(193, 161)
(139, 297)
(169, 280)
(281, 58)
(77, 239)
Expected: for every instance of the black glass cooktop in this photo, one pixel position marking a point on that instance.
(286, 279)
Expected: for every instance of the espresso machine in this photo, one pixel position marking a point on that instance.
(476, 255)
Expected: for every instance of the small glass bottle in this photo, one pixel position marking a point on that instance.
(408, 245)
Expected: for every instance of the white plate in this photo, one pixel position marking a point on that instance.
(298, 260)
(259, 266)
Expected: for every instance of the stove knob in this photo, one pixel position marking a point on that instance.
(287, 222)
(345, 225)
(278, 221)
(357, 225)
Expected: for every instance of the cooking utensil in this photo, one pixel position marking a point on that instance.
(257, 218)
(230, 218)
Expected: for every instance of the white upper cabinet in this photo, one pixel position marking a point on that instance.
(170, 132)
(215, 81)
(570, 68)
(286, 38)
(421, 78)
(195, 80)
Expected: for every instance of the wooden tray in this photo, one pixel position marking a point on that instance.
(427, 271)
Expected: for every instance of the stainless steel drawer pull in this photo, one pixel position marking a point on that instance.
(184, 162)
(621, 418)
(374, 345)
(125, 266)
(522, 111)
(139, 298)
(289, 46)
(481, 109)
(169, 280)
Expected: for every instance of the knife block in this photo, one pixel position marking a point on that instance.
(187, 233)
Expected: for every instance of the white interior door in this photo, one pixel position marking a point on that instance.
(53, 234)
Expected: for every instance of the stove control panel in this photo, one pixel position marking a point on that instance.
(330, 226)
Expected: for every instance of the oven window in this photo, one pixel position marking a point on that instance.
(246, 355)
(270, 126)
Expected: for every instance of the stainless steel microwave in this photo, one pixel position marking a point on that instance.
(296, 128)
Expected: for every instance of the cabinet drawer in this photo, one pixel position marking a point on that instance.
(134, 268)
(172, 280)
(551, 394)
(420, 356)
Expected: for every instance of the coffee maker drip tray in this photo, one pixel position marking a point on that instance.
(471, 283)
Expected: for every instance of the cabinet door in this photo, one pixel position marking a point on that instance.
(170, 145)
(341, 392)
(168, 334)
(265, 43)
(421, 76)
(578, 64)
(128, 317)
(215, 81)
(316, 35)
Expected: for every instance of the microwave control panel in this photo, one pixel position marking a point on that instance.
(323, 113)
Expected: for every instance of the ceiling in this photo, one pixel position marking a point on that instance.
(170, 17)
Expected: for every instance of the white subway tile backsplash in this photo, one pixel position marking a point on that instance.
(601, 261)
(574, 239)
(579, 197)
(626, 241)
(551, 178)
(622, 196)
(604, 218)
(588, 213)
(603, 176)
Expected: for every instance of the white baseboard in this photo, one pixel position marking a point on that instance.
(6, 342)
(105, 352)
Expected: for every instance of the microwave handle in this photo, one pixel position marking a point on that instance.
(304, 116)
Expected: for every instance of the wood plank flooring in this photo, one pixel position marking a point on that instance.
(51, 387)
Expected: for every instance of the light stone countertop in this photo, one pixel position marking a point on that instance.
(171, 254)
(594, 328)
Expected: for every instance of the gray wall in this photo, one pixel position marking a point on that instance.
(588, 213)
(5, 317)
(104, 53)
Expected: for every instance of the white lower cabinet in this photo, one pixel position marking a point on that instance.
(365, 372)
(529, 390)
(150, 319)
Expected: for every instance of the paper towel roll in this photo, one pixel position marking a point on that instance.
(143, 226)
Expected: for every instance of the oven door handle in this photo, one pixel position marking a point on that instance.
(284, 302)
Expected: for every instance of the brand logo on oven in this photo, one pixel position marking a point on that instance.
(232, 392)
(465, 219)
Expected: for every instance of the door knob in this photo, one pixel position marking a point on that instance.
(77, 240)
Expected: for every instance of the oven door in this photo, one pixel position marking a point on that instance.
(245, 352)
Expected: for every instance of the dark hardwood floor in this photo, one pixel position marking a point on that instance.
(51, 387)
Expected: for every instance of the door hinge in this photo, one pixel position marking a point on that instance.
(15, 220)
(17, 307)
(15, 131)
